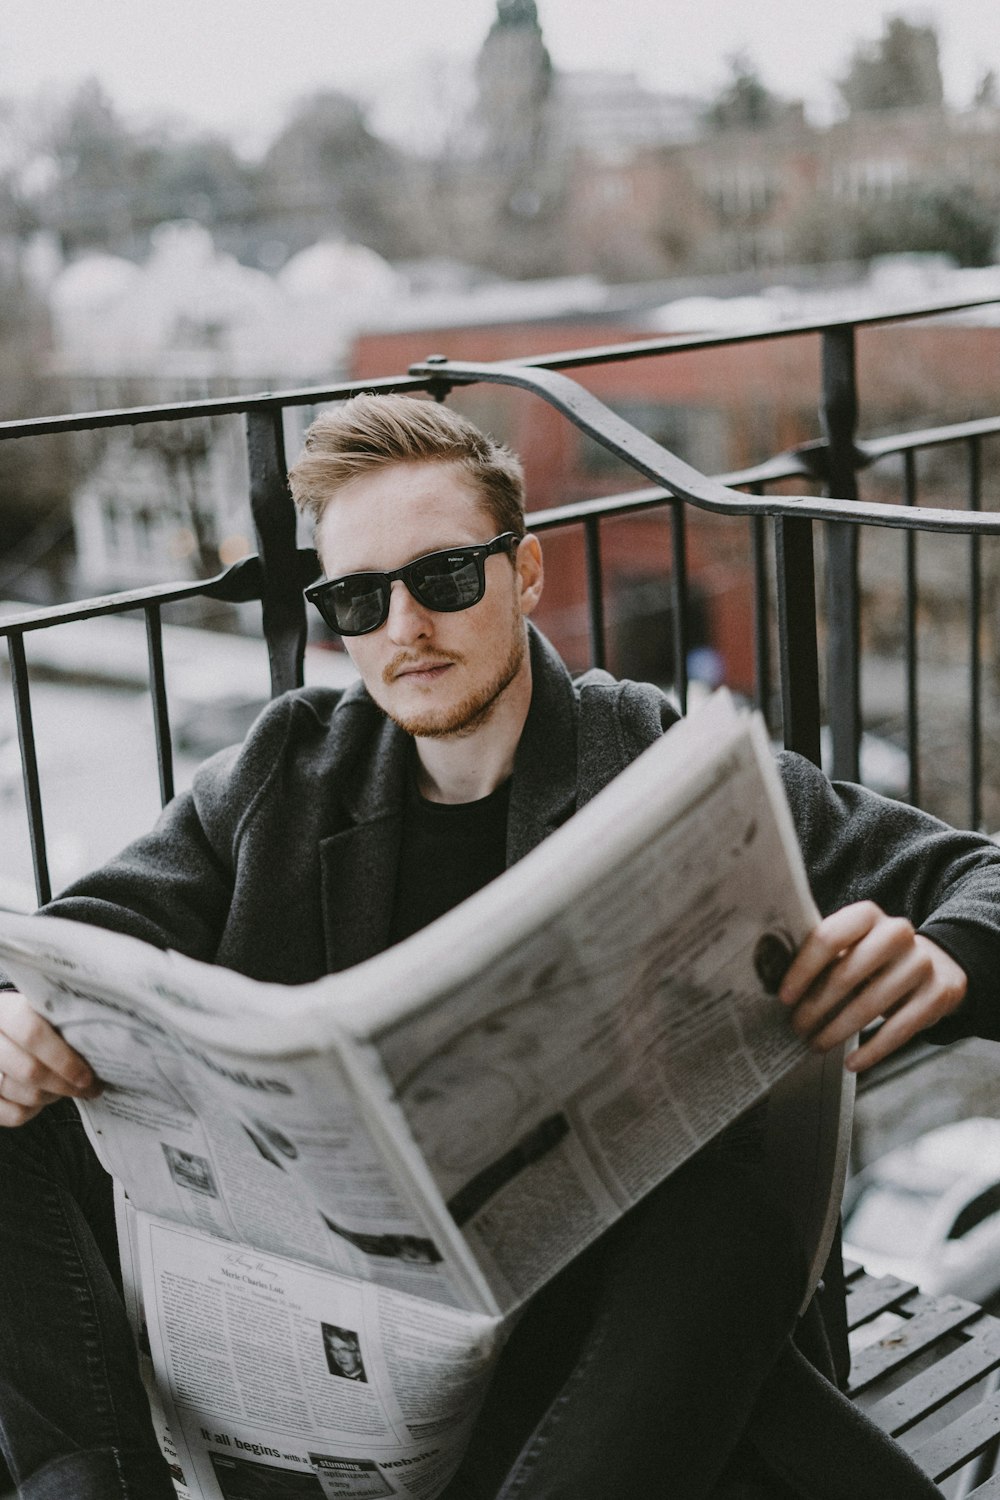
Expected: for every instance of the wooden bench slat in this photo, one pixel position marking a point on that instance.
(870, 1295)
(955, 1444)
(948, 1377)
(934, 1317)
(988, 1491)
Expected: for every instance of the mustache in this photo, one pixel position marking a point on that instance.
(404, 659)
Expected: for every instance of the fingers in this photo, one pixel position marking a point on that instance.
(19, 1105)
(859, 966)
(861, 982)
(831, 938)
(37, 1065)
(919, 1011)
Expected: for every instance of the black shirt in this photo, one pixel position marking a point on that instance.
(449, 851)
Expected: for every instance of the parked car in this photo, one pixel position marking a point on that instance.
(929, 1211)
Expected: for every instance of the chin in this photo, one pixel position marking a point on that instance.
(433, 724)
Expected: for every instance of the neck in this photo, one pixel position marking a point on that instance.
(466, 766)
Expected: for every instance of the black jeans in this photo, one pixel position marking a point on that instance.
(635, 1371)
(74, 1419)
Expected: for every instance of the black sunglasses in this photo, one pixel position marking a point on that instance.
(444, 581)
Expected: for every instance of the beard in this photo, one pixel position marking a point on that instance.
(471, 712)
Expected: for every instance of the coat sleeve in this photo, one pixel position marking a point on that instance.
(859, 846)
(173, 886)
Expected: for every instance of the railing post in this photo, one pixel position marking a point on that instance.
(761, 613)
(679, 591)
(158, 695)
(975, 643)
(839, 414)
(595, 592)
(29, 765)
(912, 675)
(796, 588)
(282, 604)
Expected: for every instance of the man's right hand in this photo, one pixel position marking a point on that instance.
(36, 1065)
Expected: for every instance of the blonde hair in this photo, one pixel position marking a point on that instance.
(370, 432)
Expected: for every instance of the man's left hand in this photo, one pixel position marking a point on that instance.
(859, 965)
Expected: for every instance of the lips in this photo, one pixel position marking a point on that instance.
(419, 671)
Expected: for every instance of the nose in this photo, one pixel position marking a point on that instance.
(408, 620)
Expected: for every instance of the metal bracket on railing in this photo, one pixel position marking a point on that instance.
(814, 458)
(282, 605)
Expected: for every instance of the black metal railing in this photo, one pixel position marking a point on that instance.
(791, 616)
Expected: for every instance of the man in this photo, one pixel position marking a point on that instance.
(346, 822)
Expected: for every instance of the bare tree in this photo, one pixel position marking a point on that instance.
(900, 70)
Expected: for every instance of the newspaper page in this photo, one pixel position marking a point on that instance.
(271, 1377)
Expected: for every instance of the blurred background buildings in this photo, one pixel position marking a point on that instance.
(143, 262)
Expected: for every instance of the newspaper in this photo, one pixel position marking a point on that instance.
(335, 1196)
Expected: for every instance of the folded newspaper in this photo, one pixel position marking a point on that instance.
(333, 1196)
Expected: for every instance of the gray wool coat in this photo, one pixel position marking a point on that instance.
(281, 860)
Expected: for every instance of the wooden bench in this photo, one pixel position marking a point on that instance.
(929, 1374)
(931, 1380)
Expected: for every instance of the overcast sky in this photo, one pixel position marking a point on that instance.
(236, 65)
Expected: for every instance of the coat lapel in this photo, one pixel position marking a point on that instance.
(360, 861)
(543, 793)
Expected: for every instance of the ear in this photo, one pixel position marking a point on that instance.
(530, 572)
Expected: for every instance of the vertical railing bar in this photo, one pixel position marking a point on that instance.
(29, 764)
(761, 613)
(912, 684)
(797, 646)
(158, 695)
(595, 591)
(839, 412)
(282, 605)
(975, 644)
(678, 590)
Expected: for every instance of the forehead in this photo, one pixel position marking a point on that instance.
(395, 513)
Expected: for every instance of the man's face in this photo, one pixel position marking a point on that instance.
(346, 1357)
(434, 673)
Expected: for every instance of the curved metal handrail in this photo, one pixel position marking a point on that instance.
(207, 406)
(643, 453)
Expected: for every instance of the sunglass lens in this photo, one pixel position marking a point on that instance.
(358, 604)
(448, 582)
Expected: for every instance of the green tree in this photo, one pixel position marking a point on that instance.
(35, 473)
(901, 70)
(744, 102)
(986, 95)
(106, 185)
(328, 173)
(942, 219)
